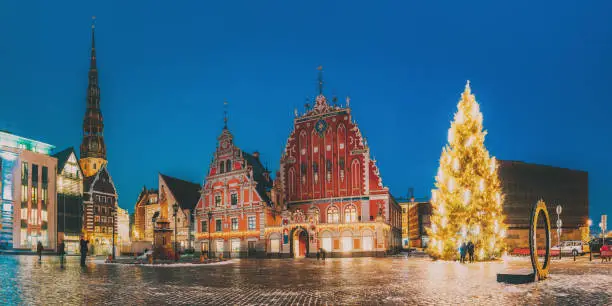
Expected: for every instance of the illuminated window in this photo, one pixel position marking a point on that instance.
(34, 196)
(333, 215)
(234, 224)
(350, 214)
(251, 222)
(24, 193)
(221, 167)
(24, 173)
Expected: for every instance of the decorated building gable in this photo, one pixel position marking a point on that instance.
(236, 193)
(146, 205)
(327, 178)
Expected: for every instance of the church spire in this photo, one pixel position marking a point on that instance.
(93, 149)
(225, 115)
(320, 68)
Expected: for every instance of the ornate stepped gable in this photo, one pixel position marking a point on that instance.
(235, 178)
(327, 156)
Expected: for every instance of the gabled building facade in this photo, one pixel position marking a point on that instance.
(146, 205)
(100, 211)
(69, 200)
(235, 195)
(332, 190)
(186, 195)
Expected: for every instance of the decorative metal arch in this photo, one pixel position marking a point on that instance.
(540, 270)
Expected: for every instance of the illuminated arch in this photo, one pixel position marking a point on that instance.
(333, 214)
(540, 269)
(350, 213)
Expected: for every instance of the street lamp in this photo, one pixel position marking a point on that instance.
(114, 211)
(175, 207)
(210, 214)
(559, 224)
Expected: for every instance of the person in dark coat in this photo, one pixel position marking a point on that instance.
(462, 251)
(470, 250)
(84, 249)
(39, 249)
(61, 251)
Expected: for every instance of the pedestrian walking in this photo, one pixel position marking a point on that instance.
(61, 251)
(470, 250)
(462, 250)
(318, 254)
(83, 244)
(323, 254)
(39, 249)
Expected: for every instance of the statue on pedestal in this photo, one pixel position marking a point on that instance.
(162, 241)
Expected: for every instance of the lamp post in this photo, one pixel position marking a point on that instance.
(113, 211)
(175, 207)
(210, 214)
(559, 224)
(589, 223)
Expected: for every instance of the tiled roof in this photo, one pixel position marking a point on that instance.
(263, 184)
(186, 193)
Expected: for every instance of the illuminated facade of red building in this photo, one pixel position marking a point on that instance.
(331, 191)
(235, 206)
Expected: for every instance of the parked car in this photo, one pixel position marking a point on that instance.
(571, 247)
(596, 243)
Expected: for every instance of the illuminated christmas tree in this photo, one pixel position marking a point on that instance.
(467, 201)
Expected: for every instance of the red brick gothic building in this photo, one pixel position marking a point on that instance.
(331, 190)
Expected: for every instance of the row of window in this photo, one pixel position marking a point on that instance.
(103, 199)
(25, 173)
(233, 199)
(251, 224)
(103, 229)
(225, 166)
(32, 217)
(103, 219)
(99, 210)
(355, 177)
(34, 194)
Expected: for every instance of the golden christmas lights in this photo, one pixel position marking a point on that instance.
(467, 200)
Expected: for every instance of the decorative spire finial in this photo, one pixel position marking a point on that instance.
(348, 101)
(225, 115)
(320, 68)
(468, 90)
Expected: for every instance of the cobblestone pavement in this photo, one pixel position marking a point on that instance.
(23, 280)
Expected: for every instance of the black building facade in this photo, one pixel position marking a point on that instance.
(523, 184)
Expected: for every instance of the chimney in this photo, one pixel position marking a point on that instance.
(256, 155)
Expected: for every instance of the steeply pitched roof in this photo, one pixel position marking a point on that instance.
(102, 180)
(263, 184)
(186, 193)
(62, 158)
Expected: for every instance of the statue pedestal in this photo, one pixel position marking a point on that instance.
(162, 245)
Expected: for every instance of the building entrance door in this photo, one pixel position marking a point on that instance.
(300, 244)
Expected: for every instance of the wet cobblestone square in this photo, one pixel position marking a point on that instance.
(347, 281)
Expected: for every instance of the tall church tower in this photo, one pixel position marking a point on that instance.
(93, 149)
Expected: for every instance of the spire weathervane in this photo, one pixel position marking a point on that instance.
(225, 115)
(320, 68)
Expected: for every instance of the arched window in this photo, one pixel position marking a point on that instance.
(229, 166)
(333, 215)
(350, 214)
(221, 167)
(356, 174)
(314, 214)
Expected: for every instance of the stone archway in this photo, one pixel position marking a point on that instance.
(299, 242)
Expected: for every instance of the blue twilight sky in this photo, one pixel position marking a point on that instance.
(541, 71)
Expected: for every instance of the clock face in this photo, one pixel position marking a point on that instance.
(224, 144)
